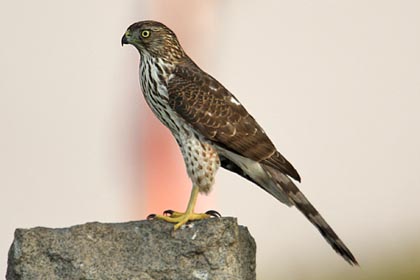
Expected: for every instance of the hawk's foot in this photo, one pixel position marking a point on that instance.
(180, 219)
(172, 213)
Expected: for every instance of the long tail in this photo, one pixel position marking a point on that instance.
(284, 186)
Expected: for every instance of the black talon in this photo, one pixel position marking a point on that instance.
(214, 213)
(151, 217)
(168, 212)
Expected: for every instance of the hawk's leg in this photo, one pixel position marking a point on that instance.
(179, 218)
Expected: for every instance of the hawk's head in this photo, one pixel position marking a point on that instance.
(152, 38)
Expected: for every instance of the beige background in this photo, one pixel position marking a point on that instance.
(336, 84)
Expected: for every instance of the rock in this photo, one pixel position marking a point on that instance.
(143, 250)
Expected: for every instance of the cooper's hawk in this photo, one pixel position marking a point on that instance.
(212, 128)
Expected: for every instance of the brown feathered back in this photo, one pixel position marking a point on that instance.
(215, 113)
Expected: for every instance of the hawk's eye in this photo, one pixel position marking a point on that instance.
(145, 33)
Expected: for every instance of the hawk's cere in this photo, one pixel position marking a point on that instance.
(212, 128)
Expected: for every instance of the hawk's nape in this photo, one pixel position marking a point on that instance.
(212, 128)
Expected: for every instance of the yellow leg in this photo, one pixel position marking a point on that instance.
(181, 218)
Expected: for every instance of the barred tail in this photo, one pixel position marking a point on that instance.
(283, 184)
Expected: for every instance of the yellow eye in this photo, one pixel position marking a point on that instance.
(145, 33)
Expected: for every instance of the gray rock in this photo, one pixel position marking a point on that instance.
(144, 250)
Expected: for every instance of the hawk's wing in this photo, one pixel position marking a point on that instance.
(215, 113)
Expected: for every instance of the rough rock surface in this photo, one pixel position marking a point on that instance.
(142, 250)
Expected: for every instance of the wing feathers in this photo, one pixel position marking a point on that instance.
(216, 114)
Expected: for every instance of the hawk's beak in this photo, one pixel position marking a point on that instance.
(124, 39)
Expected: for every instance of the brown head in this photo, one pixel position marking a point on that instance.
(152, 38)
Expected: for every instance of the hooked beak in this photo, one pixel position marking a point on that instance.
(124, 39)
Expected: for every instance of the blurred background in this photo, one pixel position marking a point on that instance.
(336, 84)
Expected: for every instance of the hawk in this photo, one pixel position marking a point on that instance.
(213, 129)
